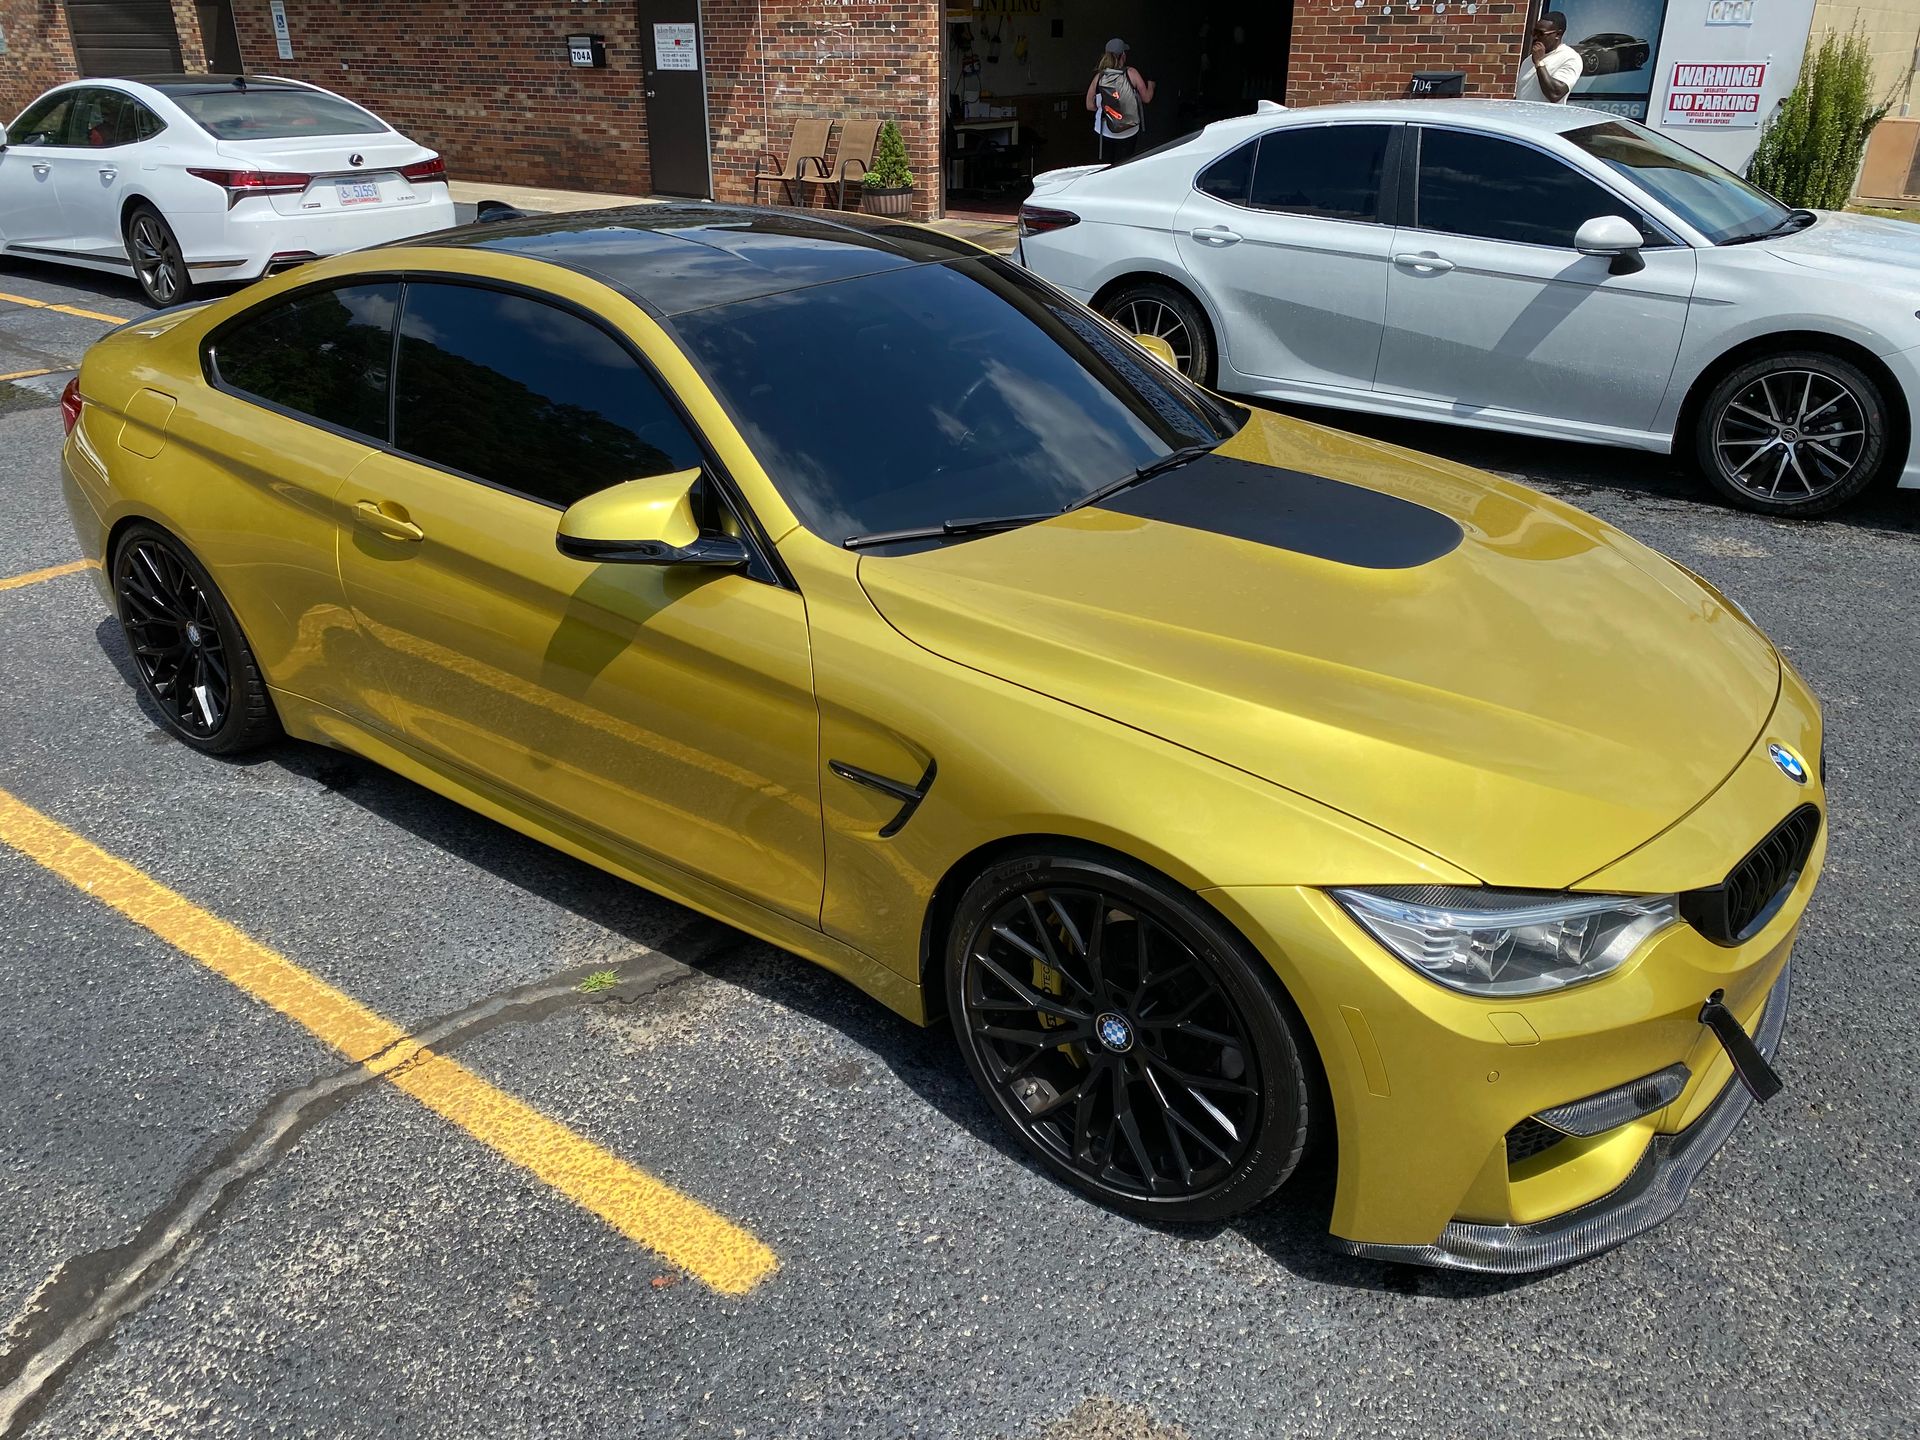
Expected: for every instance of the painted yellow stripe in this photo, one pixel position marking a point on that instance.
(27, 375)
(33, 304)
(645, 1210)
(52, 572)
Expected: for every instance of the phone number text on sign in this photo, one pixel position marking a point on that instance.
(1725, 95)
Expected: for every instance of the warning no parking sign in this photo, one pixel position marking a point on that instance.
(1726, 95)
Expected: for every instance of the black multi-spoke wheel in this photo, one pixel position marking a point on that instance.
(192, 660)
(1168, 314)
(1793, 434)
(1126, 1037)
(157, 262)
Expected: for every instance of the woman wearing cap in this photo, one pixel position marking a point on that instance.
(1118, 98)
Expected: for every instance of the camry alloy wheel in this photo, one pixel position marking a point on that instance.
(174, 636)
(1110, 1043)
(1791, 435)
(1147, 316)
(157, 258)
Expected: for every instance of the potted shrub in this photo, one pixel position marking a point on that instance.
(887, 188)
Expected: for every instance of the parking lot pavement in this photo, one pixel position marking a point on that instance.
(290, 1244)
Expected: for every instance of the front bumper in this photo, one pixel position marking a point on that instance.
(1655, 1190)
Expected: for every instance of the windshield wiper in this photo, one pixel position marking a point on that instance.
(1796, 221)
(1184, 455)
(982, 525)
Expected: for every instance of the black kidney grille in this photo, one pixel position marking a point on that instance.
(1730, 912)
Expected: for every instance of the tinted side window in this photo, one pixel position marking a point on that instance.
(1328, 170)
(324, 353)
(1497, 190)
(146, 124)
(45, 121)
(528, 397)
(1228, 177)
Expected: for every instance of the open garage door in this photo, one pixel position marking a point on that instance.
(124, 37)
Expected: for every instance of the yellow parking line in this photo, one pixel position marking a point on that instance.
(27, 375)
(52, 572)
(645, 1210)
(64, 309)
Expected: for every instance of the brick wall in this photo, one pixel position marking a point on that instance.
(39, 52)
(1343, 51)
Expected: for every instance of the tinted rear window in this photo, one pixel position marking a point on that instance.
(325, 354)
(940, 392)
(528, 397)
(274, 114)
(1331, 171)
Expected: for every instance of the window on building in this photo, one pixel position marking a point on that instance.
(528, 397)
(1495, 189)
(324, 354)
(1330, 171)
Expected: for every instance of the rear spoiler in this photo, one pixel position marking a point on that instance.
(1060, 179)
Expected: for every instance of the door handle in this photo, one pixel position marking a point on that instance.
(1423, 264)
(108, 171)
(1216, 235)
(394, 527)
(41, 167)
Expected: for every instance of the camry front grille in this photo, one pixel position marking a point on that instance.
(1735, 909)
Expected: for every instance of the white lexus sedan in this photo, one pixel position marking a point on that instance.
(1541, 269)
(180, 179)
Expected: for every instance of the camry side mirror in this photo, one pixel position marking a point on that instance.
(646, 522)
(1615, 238)
(1159, 349)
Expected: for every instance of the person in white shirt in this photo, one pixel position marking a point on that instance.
(1552, 68)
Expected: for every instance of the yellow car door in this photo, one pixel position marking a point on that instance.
(670, 708)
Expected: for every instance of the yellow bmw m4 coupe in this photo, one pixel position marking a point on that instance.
(1228, 784)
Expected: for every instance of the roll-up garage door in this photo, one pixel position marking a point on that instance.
(124, 37)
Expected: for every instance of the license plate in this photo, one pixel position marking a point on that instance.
(359, 192)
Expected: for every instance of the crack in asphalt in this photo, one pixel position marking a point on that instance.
(85, 1296)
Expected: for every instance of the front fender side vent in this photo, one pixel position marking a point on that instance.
(909, 796)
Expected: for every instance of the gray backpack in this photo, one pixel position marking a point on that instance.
(1119, 105)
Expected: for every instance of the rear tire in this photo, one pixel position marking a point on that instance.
(1794, 434)
(194, 664)
(1151, 308)
(158, 263)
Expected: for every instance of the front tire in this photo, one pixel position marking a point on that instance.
(158, 263)
(193, 662)
(1794, 434)
(1151, 308)
(1133, 1043)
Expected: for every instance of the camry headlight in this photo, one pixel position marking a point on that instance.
(1507, 942)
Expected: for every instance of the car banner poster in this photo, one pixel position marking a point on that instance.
(1617, 41)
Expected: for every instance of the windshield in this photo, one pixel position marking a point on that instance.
(1709, 197)
(937, 392)
(274, 114)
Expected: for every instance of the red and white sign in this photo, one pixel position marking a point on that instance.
(1724, 95)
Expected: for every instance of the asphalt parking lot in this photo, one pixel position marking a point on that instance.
(713, 1191)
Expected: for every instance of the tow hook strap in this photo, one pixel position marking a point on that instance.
(1760, 1078)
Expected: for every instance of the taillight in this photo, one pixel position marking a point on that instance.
(434, 169)
(70, 404)
(252, 182)
(1037, 220)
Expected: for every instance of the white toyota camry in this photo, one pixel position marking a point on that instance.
(186, 178)
(1535, 268)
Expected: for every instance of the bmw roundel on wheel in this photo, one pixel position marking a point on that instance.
(1230, 787)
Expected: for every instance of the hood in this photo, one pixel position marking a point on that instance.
(1499, 679)
(1846, 242)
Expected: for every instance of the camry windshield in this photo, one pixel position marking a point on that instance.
(273, 114)
(1709, 197)
(936, 393)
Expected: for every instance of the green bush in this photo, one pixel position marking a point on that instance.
(1810, 151)
(889, 170)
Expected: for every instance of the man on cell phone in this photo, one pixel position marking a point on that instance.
(1551, 68)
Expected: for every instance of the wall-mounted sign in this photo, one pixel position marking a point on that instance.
(1724, 95)
(1730, 12)
(586, 52)
(676, 47)
(282, 37)
(1618, 42)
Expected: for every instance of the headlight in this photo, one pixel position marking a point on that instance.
(1507, 942)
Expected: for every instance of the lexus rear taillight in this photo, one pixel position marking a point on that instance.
(70, 404)
(434, 169)
(240, 183)
(1038, 220)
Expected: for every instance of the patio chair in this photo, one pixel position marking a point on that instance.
(808, 147)
(858, 140)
